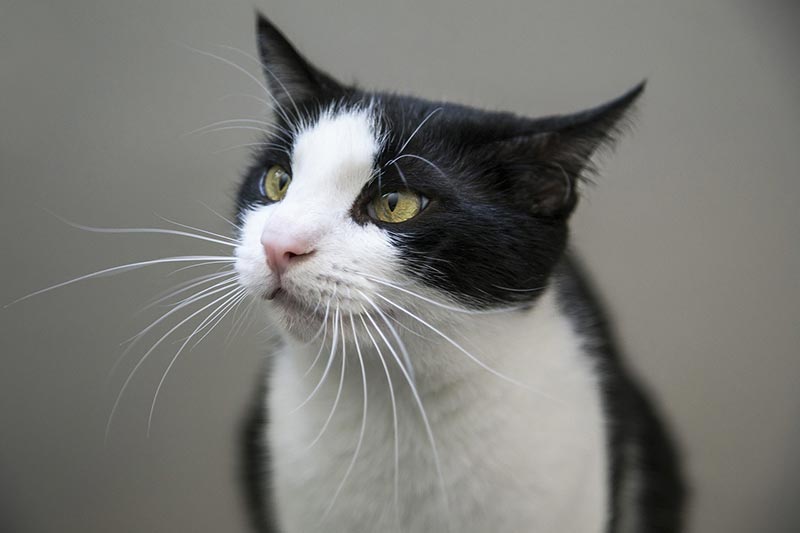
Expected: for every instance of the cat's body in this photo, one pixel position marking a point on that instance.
(449, 371)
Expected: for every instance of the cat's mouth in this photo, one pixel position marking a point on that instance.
(316, 308)
(290, 304)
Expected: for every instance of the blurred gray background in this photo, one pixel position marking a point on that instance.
(692, 231)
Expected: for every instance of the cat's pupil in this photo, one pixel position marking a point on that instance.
(391, 200)
(283, 181)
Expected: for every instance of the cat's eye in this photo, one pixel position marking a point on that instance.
(275, 183)
(397, 206)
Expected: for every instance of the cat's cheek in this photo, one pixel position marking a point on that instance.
(251, 263)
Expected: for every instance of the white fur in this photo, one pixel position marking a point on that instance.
(514, 458)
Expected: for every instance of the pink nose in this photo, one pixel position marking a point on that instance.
(282, 250)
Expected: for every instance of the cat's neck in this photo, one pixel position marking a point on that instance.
(533, 400)
(447, 349)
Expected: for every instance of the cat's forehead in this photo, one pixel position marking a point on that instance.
(337, 150)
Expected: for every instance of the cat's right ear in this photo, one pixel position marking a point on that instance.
(290, 77)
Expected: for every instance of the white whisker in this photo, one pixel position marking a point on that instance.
(147, 354)
(238, 323)
(394, 419)
(250, 145)
(465, 352)
(122, 268)
(226, 219)
(219, 315)
(277, 107)
(440, 304)
(420, 406)
(402, 176)
(534, 289)
(324, 335)
(277, 130)
(363, 421)
(400, 343)
(268, 71)
(420, 158)
(233, 297)
(140, 230)
(197, 265)
(205, 293)
(419, 127)
(186, 286)
(246, 95)
(232, 240)
(338, 392)
(322, 327)
(230, 128)
(330, 360)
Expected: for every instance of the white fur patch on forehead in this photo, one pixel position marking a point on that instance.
(337, 151)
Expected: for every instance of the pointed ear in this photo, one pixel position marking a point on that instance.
(551, 161)
(290, 78)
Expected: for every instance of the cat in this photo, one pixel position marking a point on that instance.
(444, 364)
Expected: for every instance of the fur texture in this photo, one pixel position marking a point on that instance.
(448, 373)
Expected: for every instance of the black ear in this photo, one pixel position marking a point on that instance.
(557, 154)
(291, 79)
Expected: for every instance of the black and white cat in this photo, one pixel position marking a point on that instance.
(443, 364)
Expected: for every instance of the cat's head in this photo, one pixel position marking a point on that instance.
(355, 195)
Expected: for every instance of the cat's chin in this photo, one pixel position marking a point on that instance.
(295, 315)
(288, 303)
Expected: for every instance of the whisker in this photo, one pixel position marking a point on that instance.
(420, 406)
(229, 128)
(440, 304)
(268, 71)
(324, 335)
(254, 97)
(204, 263)
(322, 327)
(232, 240)
(239, 322)
(277, 107)
(249, 145)
(400, 343)
(534, 289)
(338, 393)
(147, 354)
(330, 361)
(277, 130)
(183, 287)
(465, 352)
(137, 230)
(205, 293)
(233, 297)
(122, 268)
(420, 158)
(226, 219)
(219, 315)
(419, 127)
(363, 422)
(189, 300)
(400, 172)
(394, 419)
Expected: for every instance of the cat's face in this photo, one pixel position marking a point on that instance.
(354, 194)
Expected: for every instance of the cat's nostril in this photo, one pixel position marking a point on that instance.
(282, 251)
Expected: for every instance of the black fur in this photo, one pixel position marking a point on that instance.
(501, 190)
(254, 465)
(633, 419)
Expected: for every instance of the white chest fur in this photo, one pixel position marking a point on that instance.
(512, 458)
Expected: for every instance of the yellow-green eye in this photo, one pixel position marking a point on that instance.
(398, 206)
(275, 183)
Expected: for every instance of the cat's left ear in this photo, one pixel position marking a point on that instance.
(290, 77)
(549, 163)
